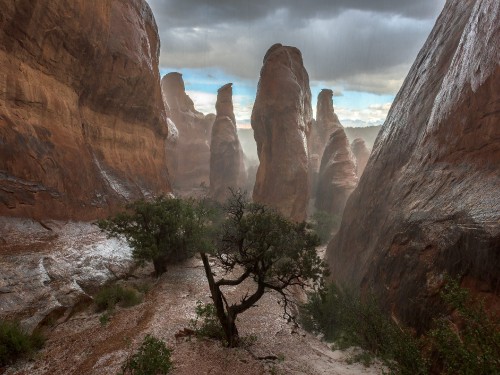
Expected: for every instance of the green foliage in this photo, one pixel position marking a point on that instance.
(164, 230)
(473, 345)
(110, 296)
(15, 343)
(324, 223)
(152, 358)
(104, 318)
(206, 324)
(343, 318)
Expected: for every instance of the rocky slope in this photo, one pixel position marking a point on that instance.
(281, 120)
(337, 175)
(81, 345)
(190, 159)
(227, 167)
(429, 200)
(82, 121)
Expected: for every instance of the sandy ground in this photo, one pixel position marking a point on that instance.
(82, 345)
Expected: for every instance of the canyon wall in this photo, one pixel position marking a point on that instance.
(190, 159)
(83, 126)
(428, 203)
(281, 120)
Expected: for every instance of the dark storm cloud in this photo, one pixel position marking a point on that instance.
(360, 44)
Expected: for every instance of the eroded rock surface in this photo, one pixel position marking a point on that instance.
(281, 120)
(326, 123)
(361, 153)
(82, 121)
(429, 200)
(227, 168)
(190, 160)
(47, 269)
(337, 175)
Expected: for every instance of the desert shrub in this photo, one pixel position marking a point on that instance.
(343, 318)
(323, 224)
(164, 230)
(152, 358)
(472, 345)
(206, 322)
(15, 343)
(110, 296)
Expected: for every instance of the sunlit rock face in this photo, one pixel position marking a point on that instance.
(190, 161)
(227, 168)
(83, 126)
(361, 153)
(326, 123)
(281, 120)
(337, 175)
(429, 201)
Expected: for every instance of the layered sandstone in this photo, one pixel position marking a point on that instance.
(337, 175)
(429, 201)
(82, 121)
(361, 153)
(326, 123)
(190, 160)
(281, 120)
(227, 168)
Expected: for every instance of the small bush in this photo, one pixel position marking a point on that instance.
(323, 224)
(112, 295)
(343, 318)
(206, 323)
(15, 343)
(152, 358)
(472, 346)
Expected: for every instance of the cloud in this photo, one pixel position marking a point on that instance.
(352, 44)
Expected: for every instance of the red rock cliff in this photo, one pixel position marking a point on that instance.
(281, 120)
(190, 166)
(429, 199)
(82, 121)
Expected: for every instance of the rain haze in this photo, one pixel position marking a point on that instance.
(362, 50)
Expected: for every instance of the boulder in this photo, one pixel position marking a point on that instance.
(428, 204)
(281, 120)
(83, 127)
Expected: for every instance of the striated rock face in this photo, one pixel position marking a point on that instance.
(281, 120)
(82, 122)
(326, 123)
(190, 159)
(227, 168)
(337, 175)
(361, 153)
(429, 200)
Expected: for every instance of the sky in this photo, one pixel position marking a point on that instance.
(361, 49)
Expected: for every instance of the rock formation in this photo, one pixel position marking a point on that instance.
(191, 157)
(361, 153)
(82, 121)
(227, 168)
(337, 175)
(326, 123)
(281, 120)
(429, 200)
